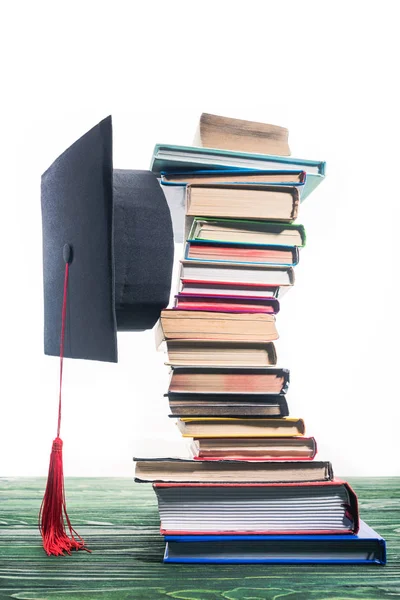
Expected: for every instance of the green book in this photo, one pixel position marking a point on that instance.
(247, 232)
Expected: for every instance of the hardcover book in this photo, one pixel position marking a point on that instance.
(328, 507)
(224, 380)
(236, 273)
(224, 427)
(231, 289)
(215, 131)
(220, 354)
(230, 471)
(169, 158)
(215, 326)
(232, 405)
(227, 304)
(242, 176)
(225, 252)
(247, 232)
(364, 547)
(278, 448)
(243, 201)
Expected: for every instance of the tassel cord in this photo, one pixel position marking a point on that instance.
(53, 517)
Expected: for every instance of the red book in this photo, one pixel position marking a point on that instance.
(253, 449)
(242, 253)
(221, 303)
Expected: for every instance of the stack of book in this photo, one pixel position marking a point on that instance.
(251, 490)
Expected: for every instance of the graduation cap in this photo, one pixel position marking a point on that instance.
(107, 264)
(118, 228)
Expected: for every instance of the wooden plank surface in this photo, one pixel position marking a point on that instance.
(119, 522)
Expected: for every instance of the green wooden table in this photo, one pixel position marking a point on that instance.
(119, 522)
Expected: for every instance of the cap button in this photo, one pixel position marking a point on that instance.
(67, 253)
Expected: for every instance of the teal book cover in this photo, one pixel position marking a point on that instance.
(168, 158)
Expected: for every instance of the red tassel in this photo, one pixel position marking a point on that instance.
(53, 516)
(53, 512)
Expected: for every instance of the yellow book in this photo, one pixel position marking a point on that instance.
(219, 427)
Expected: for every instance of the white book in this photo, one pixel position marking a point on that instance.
(236, 273)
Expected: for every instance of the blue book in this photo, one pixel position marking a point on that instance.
(232, 176)
(365, 547)
(290, 177)
(168, 159)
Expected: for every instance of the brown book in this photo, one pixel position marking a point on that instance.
(218, 380)
(220, 354)
(279, 203)
(240, 135)
(235, 405)
(215, 326)
(211, 409)
(294, 448)
(210, 427)
(226, 471)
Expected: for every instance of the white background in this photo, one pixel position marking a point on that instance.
(326, 70)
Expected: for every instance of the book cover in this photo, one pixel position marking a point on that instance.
(240, 428)
(226, 380)
(252, 514)
(171, 158)
(364, 547)
(188, 470)
(283, 448)
(233, 304)
(233, 175)
(242, 201)
(207, 229)
(249, 254)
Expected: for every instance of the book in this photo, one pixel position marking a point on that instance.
(215, 131)
(296, 448)
(232, 405)
(218, 427)
(229, 471)
(171, 158)
(213, 326)
(243, 202)
(224, 380)
(243, 176)
(283, 256)
(236, 273)
(364, 547)
(326, 507)
(230, 304)
(230, 289)
(220, 354)
(247, 232)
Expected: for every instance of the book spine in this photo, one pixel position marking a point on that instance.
(352, 511)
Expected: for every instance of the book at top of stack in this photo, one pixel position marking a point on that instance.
(215, 131)
(250, 489)
(251, 156)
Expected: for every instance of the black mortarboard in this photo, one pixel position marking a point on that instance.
(107, 262)
(118, 226)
